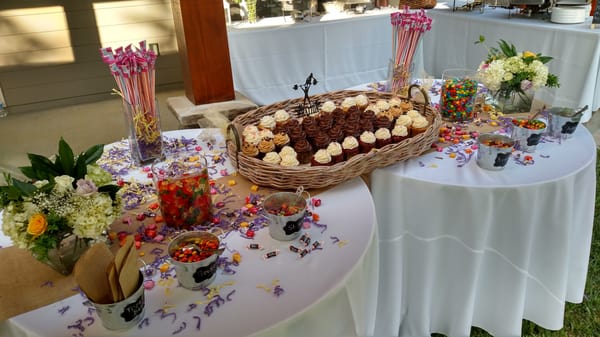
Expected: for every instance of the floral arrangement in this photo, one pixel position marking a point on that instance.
(68, 196)
(506, 71)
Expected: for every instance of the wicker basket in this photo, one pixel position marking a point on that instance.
(281, 177)
(417, 4)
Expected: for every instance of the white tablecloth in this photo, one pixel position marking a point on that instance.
(575, 48)
(340, 50)
(462, 246)
(330, 292)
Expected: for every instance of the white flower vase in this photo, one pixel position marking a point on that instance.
(514, 102)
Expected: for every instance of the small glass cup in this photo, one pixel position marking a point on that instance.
(182, 186)
(493, 151)
(459, 91)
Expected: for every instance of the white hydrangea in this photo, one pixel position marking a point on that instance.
(64, 184)
(93, 216)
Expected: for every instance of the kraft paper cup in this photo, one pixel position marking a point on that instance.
(493, 151)
(285, 227)
(124, 314)
(194, 275)
(562, 122)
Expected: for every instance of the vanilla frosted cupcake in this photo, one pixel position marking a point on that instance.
(382, 105)
(399, 133)
(413, 114)
(361, 101)
(366, 141)
(249, 129)
(289, 160)
(328, 107)
(336, 152)
(383, 137)
(252, 138)
(350, 147)
(281, 118)
(287, 151)
(272, 158)
(266, 134)
(347, 103)
(404, 120)
(374, 108)
(321, 158)
(419, 125)
(266, 122)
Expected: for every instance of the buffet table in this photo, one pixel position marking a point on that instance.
(575, 48)
(331, 291)
(341, 50)
(461, 246)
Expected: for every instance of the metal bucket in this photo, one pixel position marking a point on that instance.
(283, 226)
(124, 314)
(195, 275)
(493, 151)
(526, 140)
(563, 122)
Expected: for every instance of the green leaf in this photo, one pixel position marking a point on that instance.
(42, 167)
(80, 169)
(23, 187)
(544, 59)
(110, 189)
(92, 154)
(65, 159)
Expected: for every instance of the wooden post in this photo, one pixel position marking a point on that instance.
(203, 49)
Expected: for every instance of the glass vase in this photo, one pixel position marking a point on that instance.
(514, 101)
(399, 77)
(65, 255)
(145, 136)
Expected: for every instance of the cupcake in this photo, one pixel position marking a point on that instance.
(399, 133)
(281, 117)
(321, 158)
(395, 107)
(368, 114)
(353, 112)
(303, 151)
(272, 158)
(249, 129)
(265, 146)
(383, 137)
(266, 122)
(406, 106)
(347, 103)
(328, 107)
(413, 114)
(352, 129)
(310, 127)
(289, 160)
(281, 140)
(336, 133)
(266, 134)
(382, 121)
(321, 140)
(338, 115)
(361, 101)
(366, 125)
(252, 138)
(350, 147)
(336, 152)
(287, 151)
(250, 150)
(366, 141)
(382, 105)
(325, 121)
(296, 133)
(419, 125)
(404, 120)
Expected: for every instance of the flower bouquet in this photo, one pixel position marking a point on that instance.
(65, 204)
(513, 76)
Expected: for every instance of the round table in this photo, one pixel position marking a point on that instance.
(462, 246)
(328, 292)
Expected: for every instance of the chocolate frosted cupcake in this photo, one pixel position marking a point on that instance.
(399, 133)
(281, 140)
(366, 125)
(321, 158)
(325, 121)
(303, 151)
(336, 133)
(350, 147)
(382, 121)
(383, 137)
(310, 127)
(336, 152)
(352, 129)
(366, 141)
(368, 114)
(321, 140)
(296, 133)
(338, 115)
(281, 129)
(353, 112)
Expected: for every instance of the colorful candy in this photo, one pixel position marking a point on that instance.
(458, 98)
(195, 249)
(532, 124)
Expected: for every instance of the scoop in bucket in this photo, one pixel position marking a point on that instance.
(285, 211)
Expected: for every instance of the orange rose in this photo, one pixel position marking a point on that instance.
(529, 54)
(37, 225)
